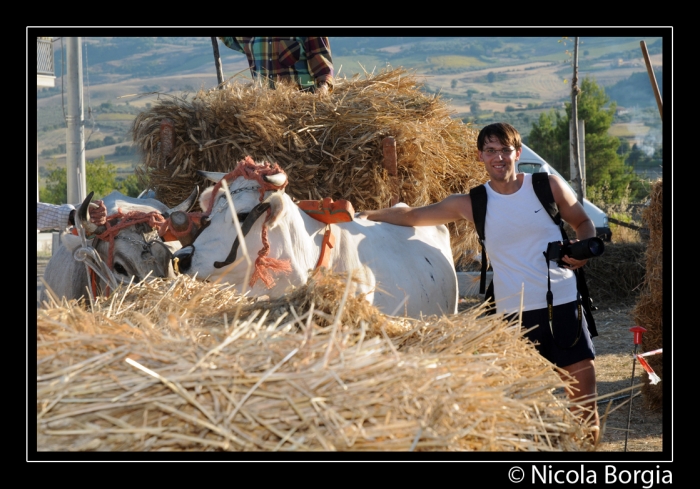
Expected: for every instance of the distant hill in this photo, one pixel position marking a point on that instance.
(482, 78)
(109, 59)
(636, 91)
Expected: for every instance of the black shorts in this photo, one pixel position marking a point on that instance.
(563, 349)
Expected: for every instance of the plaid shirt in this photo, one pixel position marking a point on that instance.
(306, 60)
(50, 216)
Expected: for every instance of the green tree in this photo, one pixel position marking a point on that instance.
(100, 177)
(607, 177)
(55, 191)
(546, 140)
(131, 186)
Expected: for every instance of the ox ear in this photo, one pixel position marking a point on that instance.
(277, 208)
(205, 198)
(214, 176)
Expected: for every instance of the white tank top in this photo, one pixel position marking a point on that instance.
(517, 231)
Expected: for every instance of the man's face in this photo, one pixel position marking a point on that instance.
(499, 159)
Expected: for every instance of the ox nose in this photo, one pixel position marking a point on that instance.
(184, 258)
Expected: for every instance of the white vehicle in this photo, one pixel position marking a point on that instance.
(531, 162)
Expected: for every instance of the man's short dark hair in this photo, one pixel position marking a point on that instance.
(504, 132)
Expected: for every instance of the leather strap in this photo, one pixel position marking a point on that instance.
(326, 246)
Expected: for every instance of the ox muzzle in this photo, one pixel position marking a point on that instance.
(184, 255)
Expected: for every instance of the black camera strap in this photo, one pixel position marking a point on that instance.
(550, 310)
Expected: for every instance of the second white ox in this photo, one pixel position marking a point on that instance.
(402, 270)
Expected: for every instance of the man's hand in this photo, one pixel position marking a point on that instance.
(98, 213)
(573, 263)
(323, 90)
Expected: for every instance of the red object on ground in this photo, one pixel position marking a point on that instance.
(638, 332)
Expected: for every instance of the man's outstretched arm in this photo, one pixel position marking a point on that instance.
(452, 208)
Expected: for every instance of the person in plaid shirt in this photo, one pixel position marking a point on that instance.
(304, 60)
(51, 216)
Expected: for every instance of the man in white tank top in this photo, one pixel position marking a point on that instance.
(517, 231)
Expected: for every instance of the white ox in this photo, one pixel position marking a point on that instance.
(131, 252)
(403, 270)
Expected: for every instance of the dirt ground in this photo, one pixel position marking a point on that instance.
(614, 354)
(614, 348)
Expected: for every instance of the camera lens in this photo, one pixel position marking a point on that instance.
(588, 248)
(595, 246)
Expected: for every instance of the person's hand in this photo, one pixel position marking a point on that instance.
(98, 213)
(361, 215)
(323, 90)
(573, 263)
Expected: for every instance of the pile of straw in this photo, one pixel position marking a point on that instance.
(648, 312)
(183, 365)
(616, 275)
(329, 146)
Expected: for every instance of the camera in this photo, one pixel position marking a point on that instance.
(580, 250)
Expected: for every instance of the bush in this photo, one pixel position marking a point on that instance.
(100, 177)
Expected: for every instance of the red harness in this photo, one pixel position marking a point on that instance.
(154, 219)
(327, 211)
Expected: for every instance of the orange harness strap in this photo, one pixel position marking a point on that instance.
(327, 211)
(326, 245)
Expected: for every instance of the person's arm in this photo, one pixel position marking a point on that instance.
(453, 208)
(51, 216)
(573, 213)
(320, 62)
(231, 42)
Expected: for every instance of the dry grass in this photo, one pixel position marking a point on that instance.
(328, 146)
(617, 275)
(183, 365)
(649, 310)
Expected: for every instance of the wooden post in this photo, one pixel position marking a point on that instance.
(217, 62)
(652, 78)
(389, 149)
(167, 139)
(575, 90)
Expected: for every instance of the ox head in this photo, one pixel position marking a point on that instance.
(129, 243)
(256, 191)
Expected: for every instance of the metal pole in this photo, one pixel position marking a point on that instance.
(75, 136)
(217, 62)
(638, 331)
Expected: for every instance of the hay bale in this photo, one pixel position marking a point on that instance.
(617, 275)
(329, 147)
(648, 312)
(183, 365)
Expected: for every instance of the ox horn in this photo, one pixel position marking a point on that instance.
(186, 204)
(214, 176)
(278, 179)
(83, 215)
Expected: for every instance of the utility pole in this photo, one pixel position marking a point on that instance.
(75, 135)
(217, 63)
(579, 180)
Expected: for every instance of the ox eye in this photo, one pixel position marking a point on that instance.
(119, 268)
